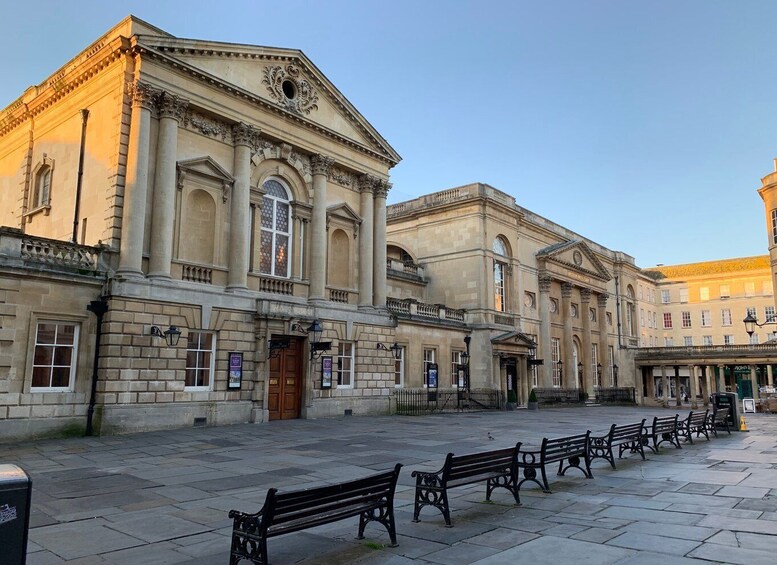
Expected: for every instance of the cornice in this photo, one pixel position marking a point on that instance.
(160, 55)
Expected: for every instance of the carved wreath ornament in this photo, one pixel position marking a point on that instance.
(290, 89)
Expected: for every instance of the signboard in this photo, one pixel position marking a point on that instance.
(431, 382)
(461, 376)
(326, 372)
(748, 406)
(235, 377)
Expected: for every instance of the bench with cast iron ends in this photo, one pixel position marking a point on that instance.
(717, 418)
(568, 452)
(663, 429)
(695, 423)
(628, 436)
(370, 498)
(496, 467)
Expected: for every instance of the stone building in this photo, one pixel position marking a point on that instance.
(227, 192)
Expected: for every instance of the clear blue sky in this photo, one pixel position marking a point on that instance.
(644, 126)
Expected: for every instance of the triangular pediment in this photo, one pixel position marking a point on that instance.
(204, 166)
(514, 338)
(344, 211)
(575, 255)
(283, 79)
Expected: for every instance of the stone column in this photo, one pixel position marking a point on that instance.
(244, 138)
(754, 380)
(721, 378)
(171, 112)
(318, 236)
(567, 381)
(604, 342)
(379, 253)
(693, 385)
(678, 400)
(366, 240)
(650, 381)
(664, 387)
(136, 181)
(546, 370)
(705, 384)
(769, 376)
(588, 377)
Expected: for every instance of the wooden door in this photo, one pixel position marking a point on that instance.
(284, 396)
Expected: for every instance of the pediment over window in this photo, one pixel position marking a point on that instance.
(577, 256)
(512, 343)
(205, 168)
(344, 214)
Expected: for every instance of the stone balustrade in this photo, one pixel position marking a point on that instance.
(412, 309)
(26, 250)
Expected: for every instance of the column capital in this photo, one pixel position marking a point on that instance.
(244, 134)
(143, 94)
(367, 183)
(566, 289)
(382, 188)
(544, 280)
(602, 298)
(321, 164)
(585, 295)
(171, 106)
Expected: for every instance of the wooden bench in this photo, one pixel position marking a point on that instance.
(370, 498)
(496, 467)
(628, 436)
(571, 450)
(695, 423)
(666, 429)
(717, 418)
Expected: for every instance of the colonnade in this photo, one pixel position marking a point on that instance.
(171, 109)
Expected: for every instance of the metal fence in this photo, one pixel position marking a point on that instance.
(422, 401)
(559, 395)
(619, 395)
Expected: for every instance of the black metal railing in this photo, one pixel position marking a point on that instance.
(617, 395)
(422, 401)
(560, 395)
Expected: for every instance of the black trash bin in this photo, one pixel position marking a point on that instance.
(727, 400)
(15, 493)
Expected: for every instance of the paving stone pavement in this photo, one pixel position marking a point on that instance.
(163, 497)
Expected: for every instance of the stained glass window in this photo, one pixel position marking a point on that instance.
(275, 239)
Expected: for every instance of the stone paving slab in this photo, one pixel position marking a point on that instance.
(163, 497)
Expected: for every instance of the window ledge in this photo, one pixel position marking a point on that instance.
(46, 209)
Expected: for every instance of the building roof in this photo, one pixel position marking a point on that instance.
(739, 264)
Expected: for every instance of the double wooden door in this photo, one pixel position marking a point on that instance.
(284, 397)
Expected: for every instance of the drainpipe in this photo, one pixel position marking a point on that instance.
(98, 308)
(618, 310)
(84, 118)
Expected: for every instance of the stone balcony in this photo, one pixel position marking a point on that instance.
(410, 309)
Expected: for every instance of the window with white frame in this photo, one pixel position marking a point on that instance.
(611, 361)
(683, 295)
(667, 320)
(594, 363)
(707, 340)
(688, 341)
(704, 293)
(725, 291)
(455, 362)
(42, 195)
(200, 357)
(769, 313)
(345, 364)
(774, 226)
(686, 319)
(750, 289)
(668, 342)
(725, 316)
(665, 298)
(399, 368)
(728, 340)
(706, 319)
(754, 339)
(54, 358)
(555, 355)
(500, 270)
(275, 244)
(429, 358)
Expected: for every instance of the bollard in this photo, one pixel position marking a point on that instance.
(15, 493)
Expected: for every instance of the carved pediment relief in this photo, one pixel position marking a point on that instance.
(575, 256)
(205, 168)
(514, 338)
(343, 215)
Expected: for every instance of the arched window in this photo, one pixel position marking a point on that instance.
(275, 245)
(500, 270)
(42, 187)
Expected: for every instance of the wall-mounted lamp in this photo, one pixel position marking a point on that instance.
(752, 321)
(580, 368)
(170, 335)
(599, 371)
(615, 375)
(275, 345)
(317, 347)
(396, 349)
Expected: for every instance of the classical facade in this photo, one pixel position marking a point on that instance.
(227, 192)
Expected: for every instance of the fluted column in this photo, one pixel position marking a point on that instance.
(366, 240)
(171, 112)
(379, 245)
(604, 342)
(567, 380)
(244, 137)
(318, 241)
(136, 181)
(585, 305)
(693, 385)
(546, 370)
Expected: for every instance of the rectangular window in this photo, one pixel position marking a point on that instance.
(665, 296)
(667, 320)
(499, 287)
(754, 339)
(642, 317)
(555, 351)
(725, 291)
(749, 289)
(706, 319)
(774, 226)
(345, 365)
(455, 362)
(769, 313)
(688, 341)
(429, 357)
(199, 360)
(399, 368)
(728, 340)
(611, 360)
(686, 319)
(704, 293)
(707, 340)
(725, 315)
(750, 311)
(54, 360)
(668, 342)
(768, 288)
(684, 295)
(594, 363)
